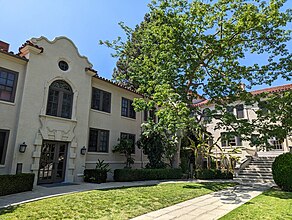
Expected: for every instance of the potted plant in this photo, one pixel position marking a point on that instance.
(97, 175)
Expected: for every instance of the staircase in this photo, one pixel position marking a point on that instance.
(258, 171)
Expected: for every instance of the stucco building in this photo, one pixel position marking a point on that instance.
(53, 104)
(248, 112)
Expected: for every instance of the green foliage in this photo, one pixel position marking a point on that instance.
(10, 184)
(125, 147)
(282, 171)
(124, 175)
(153, 145)
(95, 175)
(187, 49)
(101, 165)
(207, 174)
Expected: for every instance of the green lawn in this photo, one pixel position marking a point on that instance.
(272, 204)
(115, 204)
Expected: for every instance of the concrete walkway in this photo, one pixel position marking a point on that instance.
(211, 206)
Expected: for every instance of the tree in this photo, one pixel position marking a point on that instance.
(185, 50)
(125, 147)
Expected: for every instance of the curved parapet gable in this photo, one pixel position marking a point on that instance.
(36, 40)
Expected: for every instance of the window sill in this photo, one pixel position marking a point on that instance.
(101, 112)
(128, 118)
(7, 102)
(2, 166)
(58, 118)
(98, 153)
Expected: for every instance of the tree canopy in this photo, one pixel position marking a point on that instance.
(184, 50)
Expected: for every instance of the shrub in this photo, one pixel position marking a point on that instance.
(95, 176)
(282, 171)
(123, 175)
(10, 184)
(206, 174)
(153, 145)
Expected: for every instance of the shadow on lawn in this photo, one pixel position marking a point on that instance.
(211, 186)
(9, 209)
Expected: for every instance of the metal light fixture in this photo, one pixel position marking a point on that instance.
(83, 150)
(22, 147)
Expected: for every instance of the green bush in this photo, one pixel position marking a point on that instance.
(282, 171)
(10, 184)
(124, 175)
(206, 174)
(95, 175)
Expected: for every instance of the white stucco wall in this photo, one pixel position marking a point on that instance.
(116, 124)
(28, 122)
(9, 111)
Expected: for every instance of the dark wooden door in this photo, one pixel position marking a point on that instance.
(52, 162)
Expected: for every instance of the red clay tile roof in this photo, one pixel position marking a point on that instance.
(30, 44)
(256, 92)
(13, 55)
(113, 83)
(273, 89)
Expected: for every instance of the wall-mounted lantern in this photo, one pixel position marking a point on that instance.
(22, 147)
(83, 150)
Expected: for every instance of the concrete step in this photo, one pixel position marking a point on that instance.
(267, 169)
(255, 177)
(249, 180)
(244, 172)
(258, 167)
(261, 162)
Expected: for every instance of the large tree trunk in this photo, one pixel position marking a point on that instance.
(176, 158)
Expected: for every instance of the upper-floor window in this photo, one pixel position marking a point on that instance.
(240, 111)
(8, 81)
(3, 145)
(130, 138)
(230, 140)
(60, 99)
(98, 140)
(101, 100)
(127, 108)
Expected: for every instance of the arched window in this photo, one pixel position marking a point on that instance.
(60, 99)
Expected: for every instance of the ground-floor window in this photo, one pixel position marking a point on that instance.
(131, 138)
(277, 144)
(98, 140)
(4, 134)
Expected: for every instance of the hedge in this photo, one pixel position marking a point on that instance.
(124, 175)
(10, 184)
(213, 174)
(282, 171)
(95, 175)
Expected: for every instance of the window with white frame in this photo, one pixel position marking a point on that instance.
(230, 140)
(276, 143)
(240, 111)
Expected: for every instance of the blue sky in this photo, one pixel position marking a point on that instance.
(84, 22)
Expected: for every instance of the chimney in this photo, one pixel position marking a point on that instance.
(4, 46)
